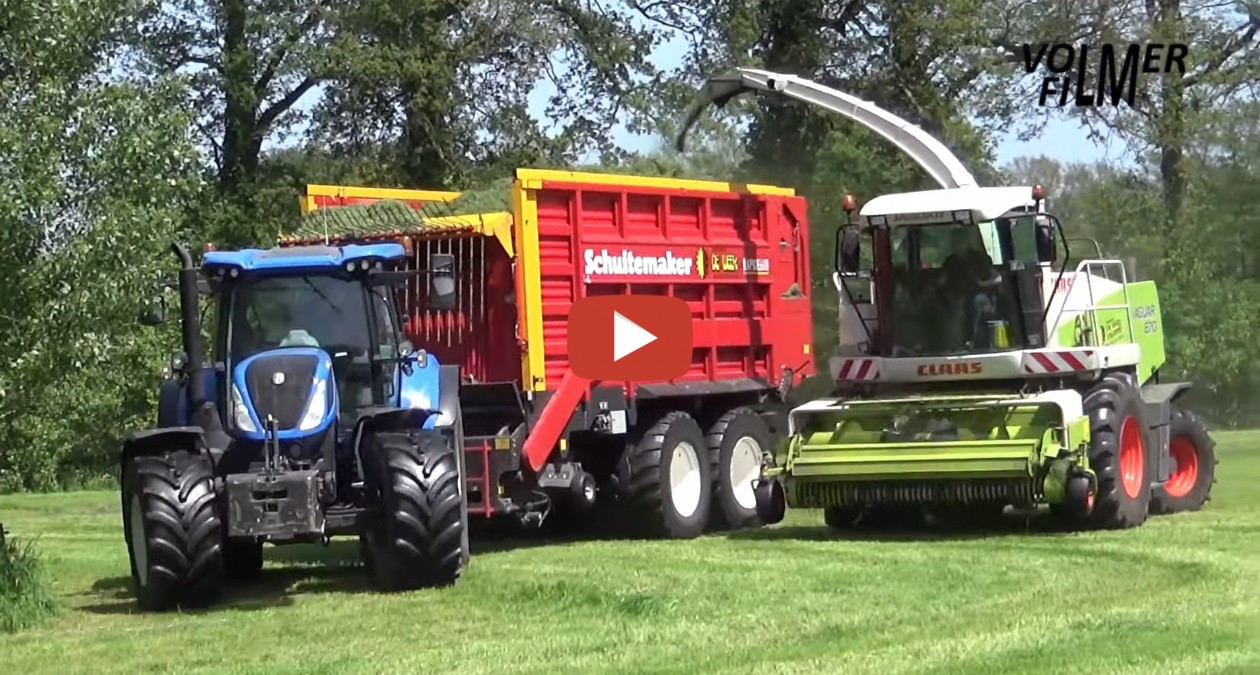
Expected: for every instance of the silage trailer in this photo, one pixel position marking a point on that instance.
(666, 459)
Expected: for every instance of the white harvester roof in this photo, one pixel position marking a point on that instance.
(929, 206)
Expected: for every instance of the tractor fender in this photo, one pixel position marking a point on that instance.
(161, 440)
(1167, 392)
(448, 396)
(1158, 400)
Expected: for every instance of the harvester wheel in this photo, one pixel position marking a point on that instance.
(1117, 453)
(418, 537)
(664, 480)
(242, 558)
(736, 442)
(1193, 453)
(173, 530)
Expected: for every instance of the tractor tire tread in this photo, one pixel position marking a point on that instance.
(1185, 422)
(183, 530)
(1107, 404)
(421, 524)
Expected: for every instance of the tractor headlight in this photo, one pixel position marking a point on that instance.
(240, 414)
(316, 409)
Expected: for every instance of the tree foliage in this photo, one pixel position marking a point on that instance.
(126, 124)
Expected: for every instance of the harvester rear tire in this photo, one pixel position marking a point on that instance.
(736, 443)
(1117, 453)
(173, 530)
(664, 482)
(1193, 453)
(417, 539)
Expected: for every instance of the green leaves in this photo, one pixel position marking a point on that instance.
(99, 173)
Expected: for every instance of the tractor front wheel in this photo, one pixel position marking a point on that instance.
(173, 530)
(1117, 453)
(664, 482)
(1193, 453)
(418, 538)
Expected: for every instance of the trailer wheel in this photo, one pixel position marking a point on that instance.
(1193, 453)
(736, 442)
(1117, 453)
(173, 531)
(242, 558)
(417, 539)
(664, 480)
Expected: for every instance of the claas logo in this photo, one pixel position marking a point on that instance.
(938, 369)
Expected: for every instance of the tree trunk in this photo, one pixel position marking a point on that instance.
(240, 143)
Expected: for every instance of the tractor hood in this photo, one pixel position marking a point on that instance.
(293, 385)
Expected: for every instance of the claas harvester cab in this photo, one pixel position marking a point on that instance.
(309, 418)
(980, 365)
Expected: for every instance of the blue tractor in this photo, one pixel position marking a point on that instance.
(309, 418)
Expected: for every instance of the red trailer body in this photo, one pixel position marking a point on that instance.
(537, 437)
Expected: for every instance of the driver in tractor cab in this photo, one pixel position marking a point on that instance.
(968, 272)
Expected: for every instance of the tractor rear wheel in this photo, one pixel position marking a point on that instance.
(418, 537)
(1117, 453)
(736, 442)
(1193, 453)
(173, 530)
(664, 482)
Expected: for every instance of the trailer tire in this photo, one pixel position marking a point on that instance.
(173, 530)
(664, 481)
(736, 443)
(1118, 453)
(1193, 453)
(417, 539)
(242, 558)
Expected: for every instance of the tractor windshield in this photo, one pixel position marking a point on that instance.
(948, 295)
(339, 316)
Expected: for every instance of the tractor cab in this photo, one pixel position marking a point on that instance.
(950, 272)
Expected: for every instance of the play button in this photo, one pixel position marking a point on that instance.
(628, 337)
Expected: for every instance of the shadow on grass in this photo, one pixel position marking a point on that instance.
(302, 569)
(908, 529)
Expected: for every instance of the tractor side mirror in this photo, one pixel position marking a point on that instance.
(1047, 248)
(155, 313)
(442, 281)
(848, 250)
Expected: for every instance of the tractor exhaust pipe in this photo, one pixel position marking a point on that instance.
(190, 325)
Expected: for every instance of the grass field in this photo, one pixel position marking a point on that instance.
(1178, 595)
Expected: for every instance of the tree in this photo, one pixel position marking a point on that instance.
(96, 173)
(1172, 108)
(440, 89)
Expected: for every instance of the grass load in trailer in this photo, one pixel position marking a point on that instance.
(662, 458)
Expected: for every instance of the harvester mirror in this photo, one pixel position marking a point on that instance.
(155, 313)
(1047, 249)
(848, 251)
(442, 281)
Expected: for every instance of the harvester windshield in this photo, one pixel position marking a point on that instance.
(948, 292)
(340, 316)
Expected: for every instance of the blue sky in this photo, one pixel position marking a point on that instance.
(1061, 139)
